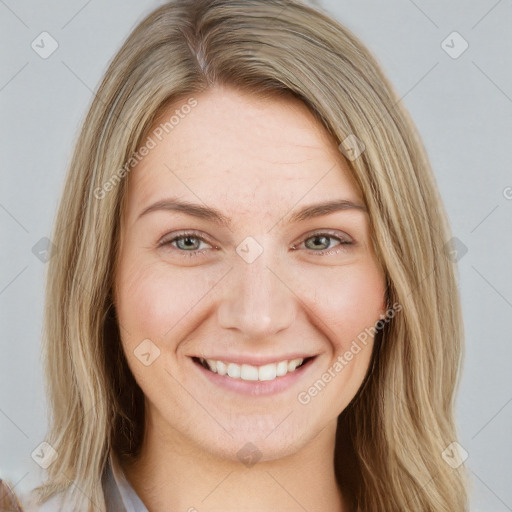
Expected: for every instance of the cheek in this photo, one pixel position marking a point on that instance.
(348, 301)
(154, 298)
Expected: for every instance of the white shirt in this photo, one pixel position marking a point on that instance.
(119, 494)
(118, 491)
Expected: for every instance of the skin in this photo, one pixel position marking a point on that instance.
(258, 162)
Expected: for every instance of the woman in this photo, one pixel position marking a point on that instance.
(250, 307)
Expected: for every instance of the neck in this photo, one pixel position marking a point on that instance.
(171, 473)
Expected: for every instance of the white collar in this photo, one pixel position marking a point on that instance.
(119, 494)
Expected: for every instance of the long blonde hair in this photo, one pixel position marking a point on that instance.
(392, 435)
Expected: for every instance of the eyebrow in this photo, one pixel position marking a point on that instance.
(214, 215)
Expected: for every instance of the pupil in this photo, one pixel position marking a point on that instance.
(316, 238)
(187, 241)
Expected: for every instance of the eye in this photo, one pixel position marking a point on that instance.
(187, 243)
(322, 241)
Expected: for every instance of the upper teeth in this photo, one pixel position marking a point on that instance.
(249, 372)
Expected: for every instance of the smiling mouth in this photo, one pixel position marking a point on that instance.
(247, 372)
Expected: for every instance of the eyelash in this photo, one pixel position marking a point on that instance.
(194, 234)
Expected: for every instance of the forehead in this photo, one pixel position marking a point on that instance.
(240, 153)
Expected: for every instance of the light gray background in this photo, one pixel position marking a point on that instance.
(462, 107)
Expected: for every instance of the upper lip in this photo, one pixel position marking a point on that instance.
(256, 360)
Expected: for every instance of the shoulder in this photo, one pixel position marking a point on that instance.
(13, 501)
(57, 503)
(115, 493)
(29, 503)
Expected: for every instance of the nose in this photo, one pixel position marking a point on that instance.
(258, 299)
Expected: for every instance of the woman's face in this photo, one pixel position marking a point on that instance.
(250, 274)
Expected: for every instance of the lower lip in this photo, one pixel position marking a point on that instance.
(256, 387)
